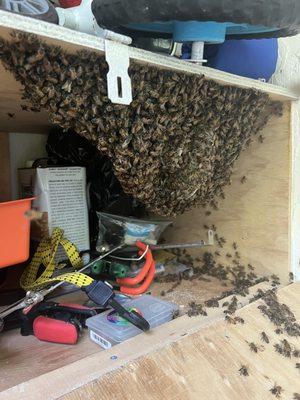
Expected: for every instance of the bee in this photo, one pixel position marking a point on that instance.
(196, 309)
(217, 253)
(211, 303)
(292, 329)
(228, 255)
(207, 213)
(73, 73)
(296, 353)
(276, 390)
(244, 370)
(275, 277)
(297, 365)
(264, 337)
(239, 320)
(296, 396)
(243, 179)
(284, 348)
(38, 56)
(278, 348)
(278, 331)
(253, 347)
(67, 86)
(261, 139)
(234, 245)
(230, 320)
(251, 276)
(232, 307)
(64, 60)
(291, 277)
(214, 205)
(52, 79)
(11, 115)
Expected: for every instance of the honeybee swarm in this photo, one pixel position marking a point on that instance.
(172, 148)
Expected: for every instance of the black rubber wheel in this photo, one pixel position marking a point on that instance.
(281, 14)
(39, 9)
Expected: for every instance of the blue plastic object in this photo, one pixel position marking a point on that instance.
(207, 31)
(250, 58)
(192, 31)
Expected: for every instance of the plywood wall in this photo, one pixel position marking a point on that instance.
(255, 214)
(5, 191)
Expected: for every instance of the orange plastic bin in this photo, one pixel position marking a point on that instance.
(14, 232)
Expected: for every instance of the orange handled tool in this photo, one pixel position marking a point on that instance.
(145, 276)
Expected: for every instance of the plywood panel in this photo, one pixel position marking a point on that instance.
(205, 365)
(295, 189)
(5, 191)
(256, 214)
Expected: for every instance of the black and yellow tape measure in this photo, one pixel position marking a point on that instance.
(45, 256)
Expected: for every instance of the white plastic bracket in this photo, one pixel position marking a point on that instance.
(210, 237)
(197, 53)
(118, 81)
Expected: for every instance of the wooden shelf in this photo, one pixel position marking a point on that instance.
(17, 352)
(10, 90)
(192, 355)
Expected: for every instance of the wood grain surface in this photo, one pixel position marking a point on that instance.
(256, 214)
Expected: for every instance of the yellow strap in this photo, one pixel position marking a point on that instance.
(45, 255)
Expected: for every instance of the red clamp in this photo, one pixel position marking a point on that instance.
(145, 276)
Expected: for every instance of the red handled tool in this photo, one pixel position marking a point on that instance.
(54, 322)
(144, 277)
(63, 323)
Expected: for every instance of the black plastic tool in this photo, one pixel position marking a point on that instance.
(102, 294)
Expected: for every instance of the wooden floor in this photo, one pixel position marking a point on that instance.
(205, 365)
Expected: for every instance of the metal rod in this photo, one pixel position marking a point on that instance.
(88, 265)
(201, 243)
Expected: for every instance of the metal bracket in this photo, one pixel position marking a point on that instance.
(118, 81)
(201, 243)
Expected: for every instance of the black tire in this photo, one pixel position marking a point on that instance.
(281, 14)
(46, 12)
